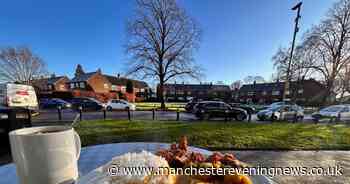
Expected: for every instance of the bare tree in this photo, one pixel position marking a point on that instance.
(251, 79)
(342, 82)
(236, 85)
(330, 42)
(20, 65)
(301, 65)
(161, 41)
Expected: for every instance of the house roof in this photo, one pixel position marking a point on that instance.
(83, 77)
(43, 82)
(271, 86)
(199, 87)
(53, 80)
(262, 87)
(122, 81)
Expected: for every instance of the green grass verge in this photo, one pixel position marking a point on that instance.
(145, 106)
(219, 135)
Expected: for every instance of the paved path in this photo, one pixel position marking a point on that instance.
(307, 159)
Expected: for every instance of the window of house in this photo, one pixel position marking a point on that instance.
(72, 85)
(300, 91)
(50, 87)
(82, 85)
(62, 87)
(287, 92)
(114, 88)
(142, 90)
(264, 93)
(105, 86)
(251, 93)
(123, 88)
(275, 93)
(180, 92)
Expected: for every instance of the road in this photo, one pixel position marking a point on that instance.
(69, 115)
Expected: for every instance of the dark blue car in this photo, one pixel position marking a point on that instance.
(54, 103)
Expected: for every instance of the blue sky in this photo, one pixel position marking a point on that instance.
(239, 36)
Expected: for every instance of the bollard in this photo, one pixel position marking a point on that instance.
(129, 115)
(177, 115)
(104, 114)
(295, 118)
(80, 113)
(338, 119)
(29, 117)
(59, 111)
(153, 114)
(249, 115)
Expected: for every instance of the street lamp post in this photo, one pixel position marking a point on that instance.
(296, 29)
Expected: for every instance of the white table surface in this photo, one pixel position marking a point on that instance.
(92, 157)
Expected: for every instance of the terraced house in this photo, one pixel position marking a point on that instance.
(303, 92)
(105, 87)
(205, 91)
(52, 86)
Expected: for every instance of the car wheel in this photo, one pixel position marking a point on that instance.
(240, 117)
(300, 118)
(109, 108)
(273, 118)
(127, 108)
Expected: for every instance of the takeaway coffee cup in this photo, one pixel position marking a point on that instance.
(46, 155)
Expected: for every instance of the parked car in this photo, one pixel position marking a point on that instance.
(119, 105)
(246, 107)
(54, 103)
(211, 109)
(190, 105)
(16, 99)
(336, 112)
(86, 104)
(284, 112)
(18, 96)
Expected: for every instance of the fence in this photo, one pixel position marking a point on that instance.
(178, 114)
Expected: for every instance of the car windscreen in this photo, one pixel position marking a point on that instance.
(333, 108)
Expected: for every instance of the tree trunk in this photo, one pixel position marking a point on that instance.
(161, 93)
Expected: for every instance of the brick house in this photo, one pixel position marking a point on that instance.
(118, 84)
(183, 92)
(304, 92)
(105, 87)
(92, 84)
(51, 87)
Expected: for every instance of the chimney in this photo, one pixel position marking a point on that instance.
(53, 75)
(99, 71)
(254, 83)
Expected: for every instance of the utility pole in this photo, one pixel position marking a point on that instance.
(296, 29)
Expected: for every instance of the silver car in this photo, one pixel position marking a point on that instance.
(336, 112)
(282, 112)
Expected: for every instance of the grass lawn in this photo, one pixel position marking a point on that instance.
(219, 135)
(154, 105)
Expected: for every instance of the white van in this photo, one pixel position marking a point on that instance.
(17, 96)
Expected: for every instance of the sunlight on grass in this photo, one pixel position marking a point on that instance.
(219, 135)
